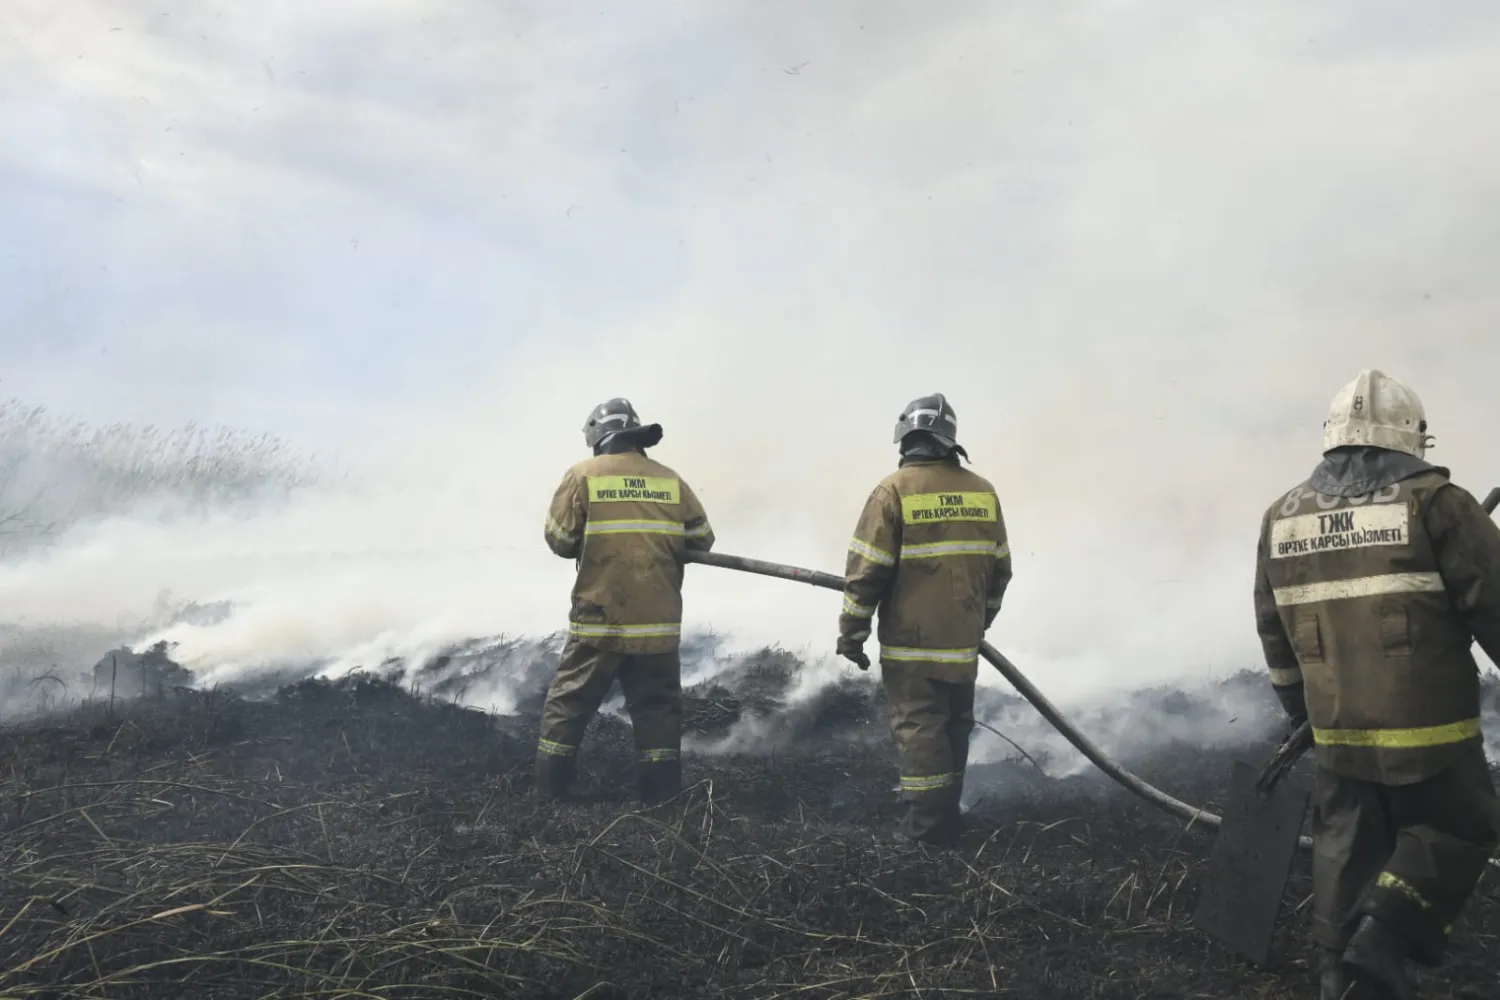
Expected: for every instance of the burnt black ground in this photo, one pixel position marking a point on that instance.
(352, 840)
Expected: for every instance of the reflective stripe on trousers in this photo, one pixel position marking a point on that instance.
(1399, 884)
(928, 782)
(554, 749)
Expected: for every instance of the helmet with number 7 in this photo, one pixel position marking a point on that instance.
(932, 415)
(1377, 411)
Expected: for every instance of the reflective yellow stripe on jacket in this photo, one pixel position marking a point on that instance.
(1399, 739)
(592, 630)
(860, 547)
(927, 550)
(1285, 676)
(558, 531)
(936, 550)
(914, 654)
(633, 527)
(1364, 586)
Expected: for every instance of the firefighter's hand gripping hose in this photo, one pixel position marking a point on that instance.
(1049, 711)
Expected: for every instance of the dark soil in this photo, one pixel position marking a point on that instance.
(351, 840)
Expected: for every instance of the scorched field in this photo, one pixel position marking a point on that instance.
(358, 839)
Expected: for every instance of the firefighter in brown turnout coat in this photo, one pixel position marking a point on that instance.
(930, 555)
(627, 520)
(1373, 579)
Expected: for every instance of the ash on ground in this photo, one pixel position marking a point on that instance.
(354, 838)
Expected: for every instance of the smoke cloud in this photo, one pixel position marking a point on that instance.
(1139, 252)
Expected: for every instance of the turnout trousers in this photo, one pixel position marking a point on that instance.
(652, 684)
(1407, 855)
(932, 721)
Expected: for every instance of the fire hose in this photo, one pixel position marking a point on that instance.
(1008, 670)
(1139, 786)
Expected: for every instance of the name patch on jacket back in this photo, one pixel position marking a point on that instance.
(929, 508)
(650, 489)
(1349, 528)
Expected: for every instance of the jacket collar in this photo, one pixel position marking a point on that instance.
(1357, 470)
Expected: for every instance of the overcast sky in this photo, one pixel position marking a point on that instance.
(1139, 245)
(279, 211)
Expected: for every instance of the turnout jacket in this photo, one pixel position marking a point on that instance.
(1367, 604)
(627, 520)
(929, 554)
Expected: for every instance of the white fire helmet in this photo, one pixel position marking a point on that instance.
(1377, 410)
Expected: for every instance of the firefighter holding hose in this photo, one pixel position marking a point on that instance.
(930, 555)
(627, 521)
(1373, 579)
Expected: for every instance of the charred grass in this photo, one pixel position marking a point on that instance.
(355, 841)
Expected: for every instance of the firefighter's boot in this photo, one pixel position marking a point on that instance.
(1333, 980)
(1376, 958)
(554, 777)
(931, 819)
(657, 781)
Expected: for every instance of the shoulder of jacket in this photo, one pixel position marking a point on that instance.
(894, 481)
(883, 494)
(1433, 479)
(1443, 492)
(1432, 488)
(981, 484)
(662, 470)
(582, 469)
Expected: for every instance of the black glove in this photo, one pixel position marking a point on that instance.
(1294, 703)
(1293, 723)
(853, 650)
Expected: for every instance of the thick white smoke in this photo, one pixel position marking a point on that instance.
(1139, 253)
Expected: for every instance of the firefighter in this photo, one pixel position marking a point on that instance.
(1373, 579)
(627, 521)
(930, 554)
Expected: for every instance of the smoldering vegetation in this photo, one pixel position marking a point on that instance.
(763, 701)
(57, 472)
(311, 832)
(373, 836)
(61, 474)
